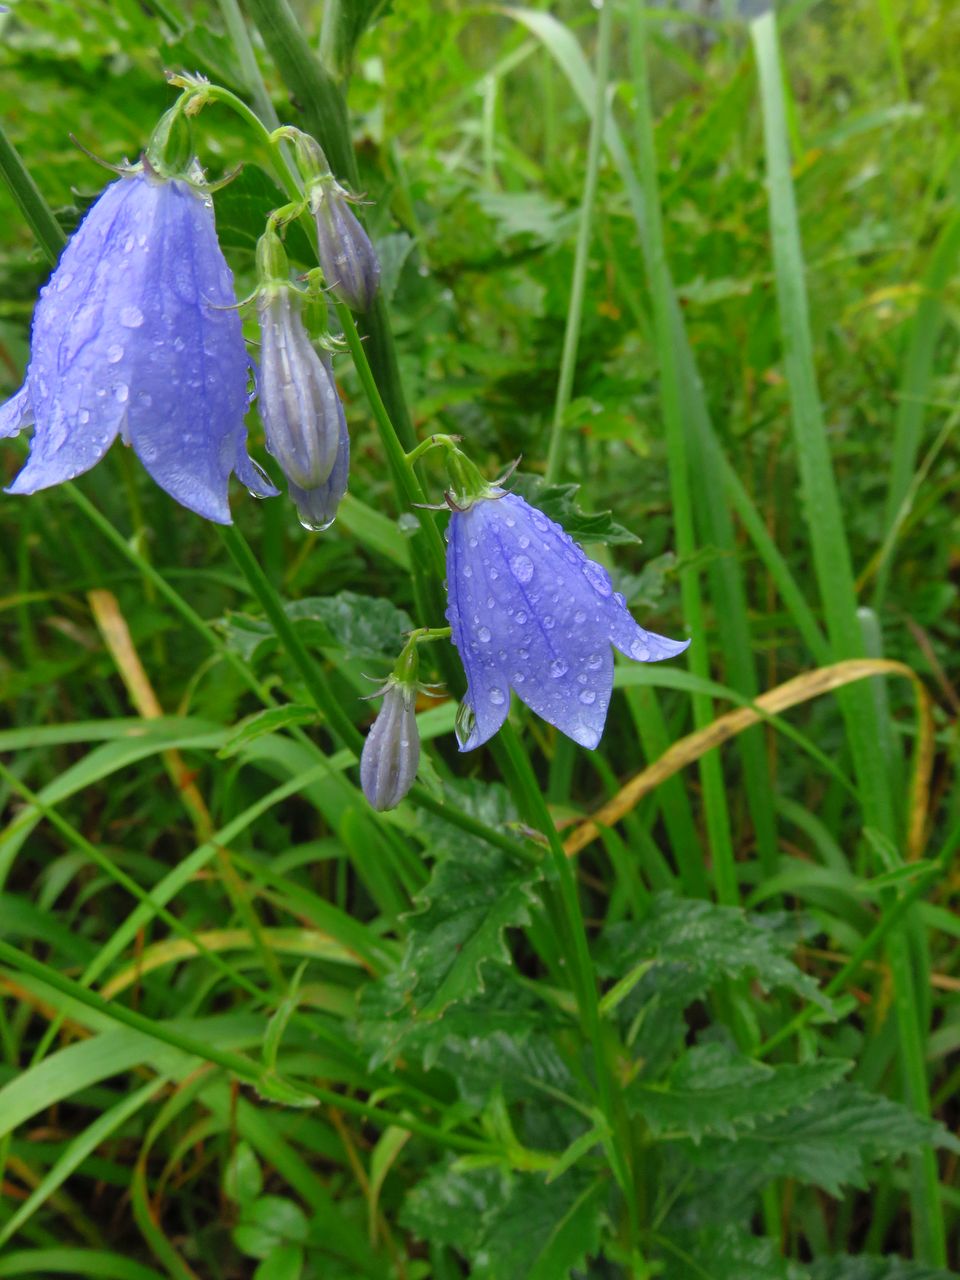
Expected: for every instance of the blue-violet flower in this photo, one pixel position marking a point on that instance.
(350, 264)
(530, 612)
(136, 334)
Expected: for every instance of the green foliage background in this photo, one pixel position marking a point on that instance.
(247, 1027)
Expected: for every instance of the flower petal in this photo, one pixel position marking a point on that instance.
(186, 412)
(640, 645)
(16, 413)
(488, 689)
(551, 623)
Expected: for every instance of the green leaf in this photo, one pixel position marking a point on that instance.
(268, 721)
(242, 1178)
(557, 502)
(474, 894)
(712, 1090)
(695, 945)
(268, 1224)
(509, 1226)
(725, 1253)
(285, 1263)
(867, 1268)
(361, 626)
(829, 1142)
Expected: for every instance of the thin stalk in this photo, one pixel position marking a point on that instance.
(30, 201)
(571, 337)
(671, 402)
(253, 80)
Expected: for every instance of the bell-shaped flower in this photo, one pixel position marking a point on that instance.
(530, 612)
(136, 334)
(391, 752)
(303, 419)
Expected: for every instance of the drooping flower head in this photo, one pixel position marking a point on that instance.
(529, 611)
(136, 335)
(303, 419)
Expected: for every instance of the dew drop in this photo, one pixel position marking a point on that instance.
(114, 353)
(639, 650)
(145, 399)
(558, 668)
(494, 574)
(484, 635)
(522, 568)
(518, 677)
(521, 617)
(509, 522)
(64, 281)
(594, 661)
(311, 526)
(472, 542)
(178, 344)
(490, 602)
(540, 523)
(523, 653)
(579, 616)
(582, 678)
(587, 697)
(523, 540)
(121, 392)
(598, 578)
(83, 416)
(467, 571)
(497, 697)
(549, 621)
(131, 317)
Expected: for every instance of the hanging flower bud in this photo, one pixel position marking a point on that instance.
(391, 753)
(350, 265)
(303, 419)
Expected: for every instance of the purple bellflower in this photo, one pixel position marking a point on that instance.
(303, 419)
(136, 334)
(350, 265)
(530, 612)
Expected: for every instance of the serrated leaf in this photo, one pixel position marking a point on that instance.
(695, 945)
(558, 502)
(712, 1090)
(868, 1268)
(366, 627)
(726, 1253)
(464, 910)
(509, 1226)
(829, 1142)
(263, 722)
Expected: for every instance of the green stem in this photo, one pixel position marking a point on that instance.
(253, 81)
(324, 114)
(31, 203)
(571, 337)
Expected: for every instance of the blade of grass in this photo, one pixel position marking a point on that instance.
(834, 574)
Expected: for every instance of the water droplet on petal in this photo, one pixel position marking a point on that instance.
(598, 578)
(521, 617)
(121, 392)
(518, 677)
(83, 416)
(579, 616)
(497, 697)
(131, 317)
(549, 621)
(639, 650)
(114, 353)
(522, 568)
(594, 661)
(472, 542)
(467, 571)
(484, 635)
(523, 540)
(587, 697)
(558, 668)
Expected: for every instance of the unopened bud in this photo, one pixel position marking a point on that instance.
(391, 753)
(303, 418)
(350, 265)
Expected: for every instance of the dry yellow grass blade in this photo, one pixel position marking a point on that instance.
(112, 626)
(298, 942)
(800, 689)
